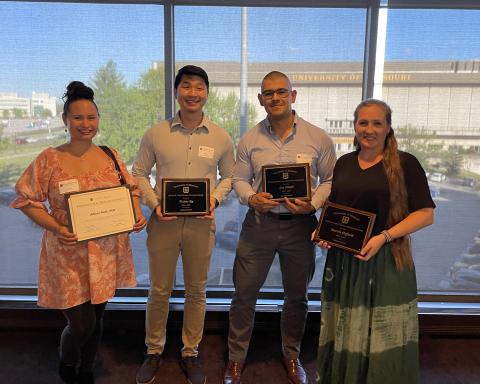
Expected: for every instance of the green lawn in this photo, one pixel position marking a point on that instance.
(16, 157)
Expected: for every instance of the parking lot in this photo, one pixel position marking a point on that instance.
(446, 254)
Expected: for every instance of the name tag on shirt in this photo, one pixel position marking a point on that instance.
(68, 186)
(206, 152)
(304, 158)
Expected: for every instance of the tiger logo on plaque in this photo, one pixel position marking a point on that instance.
(285, 175)
(186, 189)
(345, 219)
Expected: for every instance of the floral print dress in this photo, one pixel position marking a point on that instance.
(70, 275)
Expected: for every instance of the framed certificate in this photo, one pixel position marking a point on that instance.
(287, 180)
(344, 227)
(185, 197)
(100, 212)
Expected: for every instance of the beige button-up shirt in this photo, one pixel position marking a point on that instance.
(176, 151)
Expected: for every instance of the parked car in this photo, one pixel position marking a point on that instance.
(463, 181)
(437, 176)
(21, 140)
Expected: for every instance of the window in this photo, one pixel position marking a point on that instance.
(431, 80)
(45, 46)
(326, 87)
(427, 69)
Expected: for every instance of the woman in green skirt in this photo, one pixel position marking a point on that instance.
(369, 323)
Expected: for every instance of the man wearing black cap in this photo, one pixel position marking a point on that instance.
(187, 146)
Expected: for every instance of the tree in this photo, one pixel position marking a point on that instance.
(18, 113)
(110, 96)
(46, 113)
(418, 142)
(452, 161)
(151, 88)
(225, 111)
(39, 111)
(4, 141)
(108, 83)
(126, 112)
(109, 87)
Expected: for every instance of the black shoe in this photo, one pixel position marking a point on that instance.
(148, 370)
(193, 370)
(67, 372)
(85, 377)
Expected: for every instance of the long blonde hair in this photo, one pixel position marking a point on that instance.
(401, 247)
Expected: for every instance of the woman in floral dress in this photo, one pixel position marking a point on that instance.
(77, 277)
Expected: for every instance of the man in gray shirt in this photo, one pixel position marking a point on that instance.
(187, 146)
(272, 227)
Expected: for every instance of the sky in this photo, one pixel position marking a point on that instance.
(46, 45)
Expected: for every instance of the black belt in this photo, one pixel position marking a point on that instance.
(279, 216)
(283, 215)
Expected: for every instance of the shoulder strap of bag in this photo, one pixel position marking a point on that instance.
(110, 154)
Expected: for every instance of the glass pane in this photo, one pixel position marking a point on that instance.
(45, 46)
(432, 82)
(321, 50)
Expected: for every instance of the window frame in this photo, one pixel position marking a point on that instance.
(218, 298)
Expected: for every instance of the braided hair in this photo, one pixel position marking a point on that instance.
(401, 247)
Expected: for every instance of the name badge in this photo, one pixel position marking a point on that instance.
(206, 152)
(68, 186)
(304, 158)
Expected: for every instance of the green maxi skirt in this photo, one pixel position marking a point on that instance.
(369, 322)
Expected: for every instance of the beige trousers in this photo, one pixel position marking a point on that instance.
(193, 238)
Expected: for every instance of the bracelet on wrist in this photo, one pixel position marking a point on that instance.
(388, 238)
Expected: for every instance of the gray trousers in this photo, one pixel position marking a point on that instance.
(261, 238)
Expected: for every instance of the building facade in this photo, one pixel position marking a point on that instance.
(440, 99)
(13, 106)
